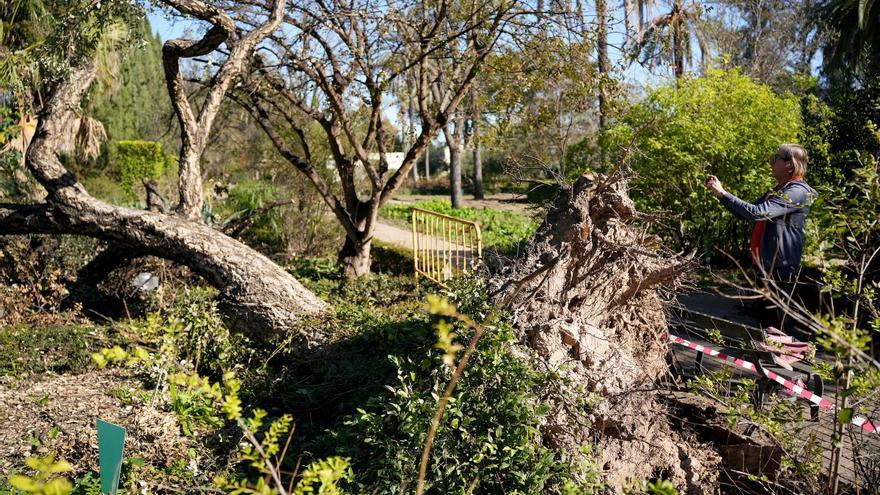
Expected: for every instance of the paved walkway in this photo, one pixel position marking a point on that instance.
(499, 202)
(390, 234)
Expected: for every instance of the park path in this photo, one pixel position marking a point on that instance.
(391, 234)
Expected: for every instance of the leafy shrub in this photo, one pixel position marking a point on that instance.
(434, 185)
(489, 435)
(722, 124)
(501, 230)
(47, 479)
(109, 189)
(391, 259)
(138, 160)
(301, 228)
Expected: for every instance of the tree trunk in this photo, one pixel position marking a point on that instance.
(478, 170)
(602, 55)
(427, 162)
(476, 118)
(454, 141)
(455, 175)
(586, 299)
(678, 41)
(355, 257)
(256, 294)
(629, 15)
(411, 124)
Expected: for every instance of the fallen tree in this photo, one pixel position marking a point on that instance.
(256, 294)
(595, 315)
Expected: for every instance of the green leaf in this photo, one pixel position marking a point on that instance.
(24, 483)
(845, 415)
(849, 391)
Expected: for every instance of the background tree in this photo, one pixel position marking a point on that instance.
(668, 38)
(769, 40)
(338, 60)
(443, 89)
(539, 98)
(855, 27)
(603, 63)
(476, 123)
(134, 104)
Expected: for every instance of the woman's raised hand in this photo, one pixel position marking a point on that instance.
(714, 185)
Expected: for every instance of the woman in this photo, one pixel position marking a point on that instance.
(780, 215)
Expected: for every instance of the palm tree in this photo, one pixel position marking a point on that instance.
(634, 15)
(856, 26)
(667, 38)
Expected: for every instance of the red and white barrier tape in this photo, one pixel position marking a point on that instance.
(859, 421)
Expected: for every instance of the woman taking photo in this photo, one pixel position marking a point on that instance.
(777, 241)
(780, 215)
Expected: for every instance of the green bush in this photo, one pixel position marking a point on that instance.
(267, 230)
(489, 434)
(722, 124)
(138, 160)
(501, 230)
(299, 228)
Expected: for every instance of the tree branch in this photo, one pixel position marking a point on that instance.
(194, 132)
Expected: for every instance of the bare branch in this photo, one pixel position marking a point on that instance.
(194, 132)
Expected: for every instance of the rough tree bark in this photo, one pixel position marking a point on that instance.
(476, 145)
(454, 142)
(195, 128)
(602, 56)
(478, 170)
(596, 316)
(256, 294)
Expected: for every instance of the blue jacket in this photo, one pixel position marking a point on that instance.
(786, 213)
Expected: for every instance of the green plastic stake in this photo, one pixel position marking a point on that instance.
(111, 441)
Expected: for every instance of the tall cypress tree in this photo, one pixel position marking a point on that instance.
(137, 106)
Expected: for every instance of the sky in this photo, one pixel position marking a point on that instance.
(166, 27)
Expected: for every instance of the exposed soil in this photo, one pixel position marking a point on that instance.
(56, 413)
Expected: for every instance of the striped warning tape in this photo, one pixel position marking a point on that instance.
(859, 421)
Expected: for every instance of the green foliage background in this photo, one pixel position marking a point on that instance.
(723, 124)
(135, 104)
(138, 160)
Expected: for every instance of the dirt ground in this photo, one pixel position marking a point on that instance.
(56, 413)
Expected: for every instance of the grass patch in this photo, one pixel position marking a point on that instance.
(40, 349)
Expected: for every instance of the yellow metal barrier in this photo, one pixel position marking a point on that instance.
(444, 246)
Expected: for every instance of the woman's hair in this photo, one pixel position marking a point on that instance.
(797, 155)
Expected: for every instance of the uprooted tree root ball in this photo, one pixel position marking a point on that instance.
(594, 314)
